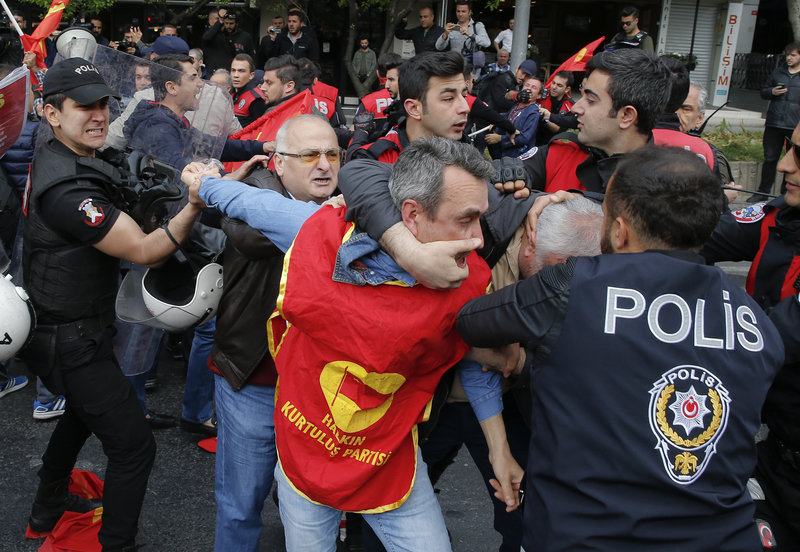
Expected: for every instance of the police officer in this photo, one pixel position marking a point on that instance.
(768, 234)
(74, 238)
(651, 369)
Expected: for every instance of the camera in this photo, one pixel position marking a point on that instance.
(273, 30)
(145, 187)
(125, 44)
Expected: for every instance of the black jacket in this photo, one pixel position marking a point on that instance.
(219, 46)
(769, 235)
(305, 46)
(784, 110)
(423, 41)
(253, 267)
(605, 466)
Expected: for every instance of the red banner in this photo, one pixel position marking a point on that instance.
(578, 61)
(266, 127)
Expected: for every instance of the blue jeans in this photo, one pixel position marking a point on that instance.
(246, 460)
(416, 525)
(199, 389)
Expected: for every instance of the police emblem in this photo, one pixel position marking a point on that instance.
(242, 102)
(530, 153)
(94, 215)
(751, 213)
(689, 410)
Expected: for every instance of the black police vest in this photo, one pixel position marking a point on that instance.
(67, 280)
(644, 412)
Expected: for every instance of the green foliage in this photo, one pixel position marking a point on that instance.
(75, 7)
(744, 145)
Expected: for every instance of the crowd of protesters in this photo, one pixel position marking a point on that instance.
(611, 381)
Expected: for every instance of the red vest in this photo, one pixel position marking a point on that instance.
(357, 367)
(242, 105)
(377, 102)
(566, 105)
(666, 137)
(563, 158)
(324, 106)
(325, 90)
(386, 149)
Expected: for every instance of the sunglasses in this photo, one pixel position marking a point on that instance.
(795, 148)
(627, 23)
(308, 157)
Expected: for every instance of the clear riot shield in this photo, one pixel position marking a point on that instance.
(175, 117)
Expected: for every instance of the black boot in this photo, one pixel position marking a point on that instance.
(51, 501)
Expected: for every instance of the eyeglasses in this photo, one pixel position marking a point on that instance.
(627, 23)
(789, 145)
(309, 157)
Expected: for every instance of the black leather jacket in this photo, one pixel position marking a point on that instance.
(253, 267)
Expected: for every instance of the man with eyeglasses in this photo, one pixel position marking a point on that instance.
(306, 170)
(424, 36)
(768, 234)
(345, 417)
(631, 36)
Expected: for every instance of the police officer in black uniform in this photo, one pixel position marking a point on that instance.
(74, 238)
(768, 234)
(651, 369)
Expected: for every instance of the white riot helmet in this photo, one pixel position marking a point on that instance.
(171, 297)
(18, 319)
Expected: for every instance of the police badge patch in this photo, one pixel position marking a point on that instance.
(689, 410)
(242, 102)
(94, 215)
(530, 153)
(751, 213)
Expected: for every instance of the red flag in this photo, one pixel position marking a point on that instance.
(266, 127)
(578, 61)
(35, 41)
(76, 532)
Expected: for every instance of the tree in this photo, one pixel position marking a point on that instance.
(794, 17)
(390, 9)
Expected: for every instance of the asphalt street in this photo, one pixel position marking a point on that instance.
(179, 508)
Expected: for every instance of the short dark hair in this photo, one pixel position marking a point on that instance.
(792, 47)
(309, 70)
(277, 17)
(415, 73)
(679, 88)
(570, 78)
(629, 10)
(298, 13)
(247, 58)
(213, 10)
(637, 78)
(163, 71)
(170, 25)
(56, 100)
(286, 67)
(467, 3)
(388, 61)
(669, 196)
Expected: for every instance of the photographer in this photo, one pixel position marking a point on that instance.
(74, 239)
